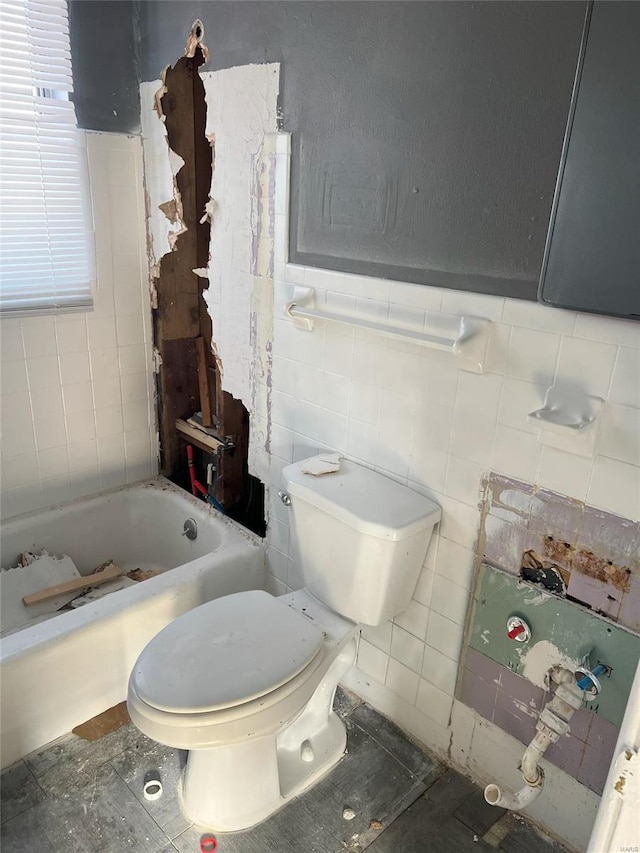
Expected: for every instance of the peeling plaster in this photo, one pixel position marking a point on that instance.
(241, 125)
(161, 165)
(241, 111)
(538, 660)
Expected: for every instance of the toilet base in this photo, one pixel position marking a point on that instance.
(235, 786)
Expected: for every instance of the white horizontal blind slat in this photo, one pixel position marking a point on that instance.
(46, 245)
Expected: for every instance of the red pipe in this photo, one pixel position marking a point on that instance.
(196, 487)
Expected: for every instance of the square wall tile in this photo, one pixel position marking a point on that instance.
(449, 599)
(478, 694)
(20, 470)
(77, 398)
(586, 365)
(444, 635)
(43, 372)
(513, 720)
(372, 661)
(625, 385)
(403, 681)
(434, 703)
(407, 649)
(532, 355)
(71, 334)
(414, 619)
(504, 544)
(74, 367)
(619, 436)
(13, 378)
(439, 670)
(46, 402)
(515, 452)
(615, 486)
(39, 337)
(629, 614)
(378, 635)
(53, 462)
(455, 563)
(564, 473)
(463, 480)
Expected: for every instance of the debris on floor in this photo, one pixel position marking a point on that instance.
(103, 724)
(81, 795)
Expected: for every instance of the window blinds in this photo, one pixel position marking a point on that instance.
(46, 244)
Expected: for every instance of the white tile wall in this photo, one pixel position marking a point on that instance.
(412, 414)
(76, 390)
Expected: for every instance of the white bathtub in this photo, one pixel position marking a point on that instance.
(58, 673)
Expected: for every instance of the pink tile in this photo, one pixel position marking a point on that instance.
(610, 537)
(509, 499)
(567, 754)
(603, 597)
(483, 666)
(519, 725)
(520, 690)
(593, 770)
(630, 610)
(478, 694)
(581, 723)
(603, 734)
(504, 544)
(556, 514)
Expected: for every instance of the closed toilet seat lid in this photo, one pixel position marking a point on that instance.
(225, 653)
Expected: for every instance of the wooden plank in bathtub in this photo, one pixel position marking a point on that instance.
(96, 579)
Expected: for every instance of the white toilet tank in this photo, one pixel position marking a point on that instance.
(362, 538)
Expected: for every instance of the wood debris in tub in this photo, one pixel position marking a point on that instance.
(40, 570)
(131, 578)
(73, 585)
(142, 574)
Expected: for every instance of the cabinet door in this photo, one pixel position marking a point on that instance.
(592, 256)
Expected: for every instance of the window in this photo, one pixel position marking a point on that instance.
(46, 240)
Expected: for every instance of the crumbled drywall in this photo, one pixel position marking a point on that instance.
(241, 111)
(161, 165)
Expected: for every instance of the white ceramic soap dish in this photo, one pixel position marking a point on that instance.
(566, 411)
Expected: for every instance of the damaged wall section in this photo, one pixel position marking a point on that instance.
(209, 168)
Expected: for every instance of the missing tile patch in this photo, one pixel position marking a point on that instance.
(537, 571)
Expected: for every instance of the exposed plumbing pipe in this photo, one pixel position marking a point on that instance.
(553, 722)
(495, 796)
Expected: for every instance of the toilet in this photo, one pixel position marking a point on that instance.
(246, 682)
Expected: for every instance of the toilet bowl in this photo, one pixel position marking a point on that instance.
(246, 682)
(262, 729)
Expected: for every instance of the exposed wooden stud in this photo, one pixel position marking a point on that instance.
(203, 381)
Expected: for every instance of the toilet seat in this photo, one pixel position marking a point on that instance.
(225, 653)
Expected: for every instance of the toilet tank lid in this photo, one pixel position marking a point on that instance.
(224, 653)
(368, 501)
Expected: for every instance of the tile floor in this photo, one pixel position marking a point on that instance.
(77, 795)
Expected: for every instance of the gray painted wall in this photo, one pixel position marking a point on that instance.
(427, 135)
(104, 49)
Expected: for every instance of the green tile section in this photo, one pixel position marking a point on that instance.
(571, 629)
